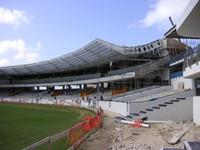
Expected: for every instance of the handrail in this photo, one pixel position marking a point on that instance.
(193, 56)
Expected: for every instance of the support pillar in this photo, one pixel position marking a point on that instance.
(98, 87)
(102, 87)
(85, 87)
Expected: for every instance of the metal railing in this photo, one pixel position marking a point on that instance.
(191, 57)
(176, 75)
(177, 58)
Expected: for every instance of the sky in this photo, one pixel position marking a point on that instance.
(34, 30)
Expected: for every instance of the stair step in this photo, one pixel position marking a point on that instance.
(155, 107)
(162, 105)
(175, 100)
(149, 109)
(123, 118)
(179, 98)
(135, 114)
(130, 116)
(168, 102)
(143, 112)
(144, 118)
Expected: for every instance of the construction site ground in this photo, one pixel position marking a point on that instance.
(118, 136)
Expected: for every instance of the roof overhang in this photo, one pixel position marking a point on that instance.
(188, 23)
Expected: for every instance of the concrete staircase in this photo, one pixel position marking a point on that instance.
(156, 111)
(152, 67)
(188, 145)
(175, 108)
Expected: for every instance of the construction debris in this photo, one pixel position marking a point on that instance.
(136, 124)
(175, 139)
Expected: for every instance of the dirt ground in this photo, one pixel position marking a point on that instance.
(118, 136)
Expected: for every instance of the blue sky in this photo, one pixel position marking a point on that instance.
(35, 30)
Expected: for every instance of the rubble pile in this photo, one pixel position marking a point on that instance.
(127, 137)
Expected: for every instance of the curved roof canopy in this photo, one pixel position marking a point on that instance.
(97, 52)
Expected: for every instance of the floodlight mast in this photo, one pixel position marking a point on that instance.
(171, 20)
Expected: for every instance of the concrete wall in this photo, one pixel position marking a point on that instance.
(196, 110)
(164, 73)
(135, 107)
(117, 107)
(177, 111)
(192, 72)
(188, 83)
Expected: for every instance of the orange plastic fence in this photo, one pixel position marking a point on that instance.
(126, 89)
(78, 131)
(87, 92)
(13, 93)
(58, 93)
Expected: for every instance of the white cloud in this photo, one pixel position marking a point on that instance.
(160, 12)
(17, 49)
(4, 62)
(31, 57)
(39, 45)
(14, 17)
(19, 56)
(12, 46)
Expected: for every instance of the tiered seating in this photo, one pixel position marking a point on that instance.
(13, 93)
(123, 90)
(57, 92)
(140, 93)
(87, 92)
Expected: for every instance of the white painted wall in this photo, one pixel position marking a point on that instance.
(196, 110)
(188, 83)
(117, 107)
(192, 72)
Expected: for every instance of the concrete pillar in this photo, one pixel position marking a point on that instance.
(102, 87)
(85, 87)
(97, 87)
(130, 86)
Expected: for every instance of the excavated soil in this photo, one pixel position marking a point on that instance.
(118, 136)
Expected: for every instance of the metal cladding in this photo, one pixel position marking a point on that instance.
(144, 48)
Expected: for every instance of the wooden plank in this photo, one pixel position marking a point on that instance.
(180, 86)
(58, 136)
(178, 136)
(35, 145)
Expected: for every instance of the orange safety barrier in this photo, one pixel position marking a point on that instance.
(126, 89)
(87, 92)
(78, 131)
(13, 93)
(58, 93)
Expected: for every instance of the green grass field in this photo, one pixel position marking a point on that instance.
(24, 124)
